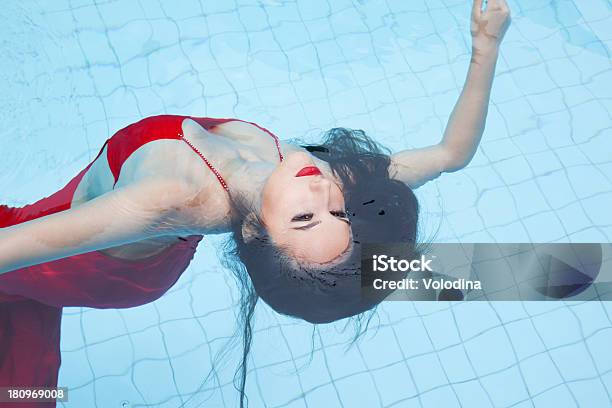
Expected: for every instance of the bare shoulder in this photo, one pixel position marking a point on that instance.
(165, 192)
(180, 205)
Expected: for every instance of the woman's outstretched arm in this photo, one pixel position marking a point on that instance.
(467, 121)
(127, 214)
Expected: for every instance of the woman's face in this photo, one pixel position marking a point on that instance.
(303, 210)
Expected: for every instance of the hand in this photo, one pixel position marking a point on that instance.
(488, 27)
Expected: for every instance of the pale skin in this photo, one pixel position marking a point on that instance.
(166, 192)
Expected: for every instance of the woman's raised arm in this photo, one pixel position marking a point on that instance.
(467, 121)
(127, 214)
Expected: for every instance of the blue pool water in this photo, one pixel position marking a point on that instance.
(73, 72)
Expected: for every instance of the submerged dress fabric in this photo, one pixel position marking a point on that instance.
(31, 298)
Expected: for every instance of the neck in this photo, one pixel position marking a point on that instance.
(247, 174)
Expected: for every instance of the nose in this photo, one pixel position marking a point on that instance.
(319, 184)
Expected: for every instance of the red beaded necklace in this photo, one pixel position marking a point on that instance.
(213, 169)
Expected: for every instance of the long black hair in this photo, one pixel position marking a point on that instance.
(380, 209)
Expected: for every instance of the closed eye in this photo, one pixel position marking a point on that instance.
(302, 217)
(342, 215)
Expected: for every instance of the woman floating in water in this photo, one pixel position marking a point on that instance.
(122, 231)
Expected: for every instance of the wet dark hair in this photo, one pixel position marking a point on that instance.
(380, 210)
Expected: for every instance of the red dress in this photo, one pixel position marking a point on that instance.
(31, 298)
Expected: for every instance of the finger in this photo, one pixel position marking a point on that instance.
(497, 5)
(477, 7)
(504, 5)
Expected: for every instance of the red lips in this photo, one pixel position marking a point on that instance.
(309, 171)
